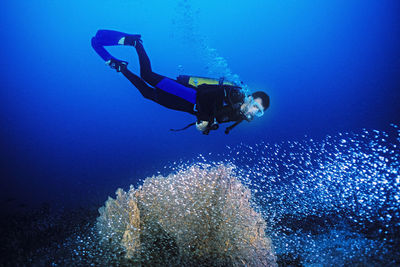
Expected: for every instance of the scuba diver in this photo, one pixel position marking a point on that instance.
(211, 101)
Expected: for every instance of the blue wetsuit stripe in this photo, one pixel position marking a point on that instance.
(175, 88)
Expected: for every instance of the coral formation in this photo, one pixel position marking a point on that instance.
(201, 215)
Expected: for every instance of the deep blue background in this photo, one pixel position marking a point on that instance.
(73, 130)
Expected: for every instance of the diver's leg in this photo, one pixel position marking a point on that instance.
(145, 67)
(146, 91)
(172, 101)
(157, 95)
(146, 71)
(164, 83)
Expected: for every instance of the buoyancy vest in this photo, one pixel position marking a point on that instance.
(232, 96)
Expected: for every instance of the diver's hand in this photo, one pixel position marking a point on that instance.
(201, 126)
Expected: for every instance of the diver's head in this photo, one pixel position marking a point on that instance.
(255, 105)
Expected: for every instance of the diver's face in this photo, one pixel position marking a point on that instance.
(252, 107)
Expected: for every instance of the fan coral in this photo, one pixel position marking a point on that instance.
(199, 216)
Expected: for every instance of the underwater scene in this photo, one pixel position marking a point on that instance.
(200, 133)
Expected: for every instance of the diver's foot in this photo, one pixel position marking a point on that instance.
(117, 64)
(131, 40)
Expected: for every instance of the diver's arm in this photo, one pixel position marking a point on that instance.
(206, 120)
(209, 98)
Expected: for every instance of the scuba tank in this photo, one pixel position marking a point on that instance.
(195, 81)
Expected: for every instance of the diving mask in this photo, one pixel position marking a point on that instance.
(252, 108)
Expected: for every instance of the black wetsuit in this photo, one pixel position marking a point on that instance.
(221, 102)
(210, 103)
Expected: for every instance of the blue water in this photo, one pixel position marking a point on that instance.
(73, 130)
